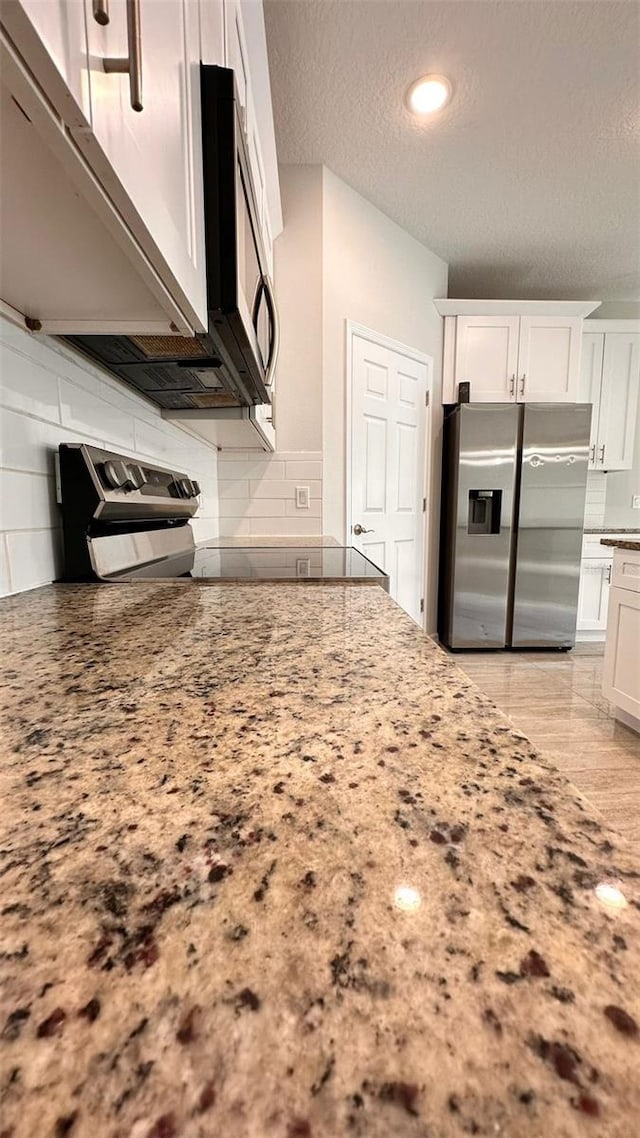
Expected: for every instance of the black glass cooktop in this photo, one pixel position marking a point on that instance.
(264, 564)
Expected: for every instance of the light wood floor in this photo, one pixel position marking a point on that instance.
(556, 699)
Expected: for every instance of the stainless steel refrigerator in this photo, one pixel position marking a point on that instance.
(513, 490)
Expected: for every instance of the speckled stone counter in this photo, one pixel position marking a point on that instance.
(271, 866)
(621, 542)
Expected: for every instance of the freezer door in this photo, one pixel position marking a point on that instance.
(486, 467)
(555, 456)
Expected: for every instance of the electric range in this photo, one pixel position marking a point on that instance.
(126, 521)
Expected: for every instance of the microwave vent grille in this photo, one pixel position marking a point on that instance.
(176, 347)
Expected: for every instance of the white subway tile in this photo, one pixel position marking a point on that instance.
(26, 386)
(237, 489)
(234, 527)
(252, 468)
(314, 511)
(298, 455)
(252, 508)
(278, 527)
(27, 501)
(35, 558)
(298, 470)
(204, 529)
(82, 411)
(268, 488)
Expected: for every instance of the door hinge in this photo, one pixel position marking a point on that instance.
(422, 604)
(426, 398)
(424, 505)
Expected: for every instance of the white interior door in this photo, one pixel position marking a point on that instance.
(388, 464)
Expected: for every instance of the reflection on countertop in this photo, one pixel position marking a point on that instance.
(274, 867)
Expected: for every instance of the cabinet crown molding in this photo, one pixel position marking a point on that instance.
(453, 307)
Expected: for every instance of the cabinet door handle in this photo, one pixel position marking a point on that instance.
(522, 383)
(608, 576)
(130, 64)
(602, 453)
(512, 385)
(592, 453)
(101, 12)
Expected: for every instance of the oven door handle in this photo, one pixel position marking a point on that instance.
(265, 288)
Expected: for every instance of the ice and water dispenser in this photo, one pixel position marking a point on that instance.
(485, 508)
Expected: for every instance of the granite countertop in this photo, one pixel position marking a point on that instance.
(611, 529)
(272, 867)
(620, 543)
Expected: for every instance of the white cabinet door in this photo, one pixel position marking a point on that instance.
(590, 386)
(236, 50)
(619, 401)
(52, 36)
(487, 357)
(150, 161)
(621, 673)
(549, 359)
(593, 596)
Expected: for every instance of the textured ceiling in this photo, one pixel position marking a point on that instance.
(528, 183)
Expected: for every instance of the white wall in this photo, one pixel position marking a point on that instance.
(377, 275)
(298, 284)
(49, 394)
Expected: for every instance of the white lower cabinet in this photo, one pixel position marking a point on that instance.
(593, 597)
(621, 676)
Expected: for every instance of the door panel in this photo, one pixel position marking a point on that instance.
(549, 358)
(619, 401)
(388, 464)
(555, 452)
(149, 161)
(487, 356)
(481, 457)
(590, 386)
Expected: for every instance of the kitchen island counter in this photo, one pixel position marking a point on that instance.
(272, 866)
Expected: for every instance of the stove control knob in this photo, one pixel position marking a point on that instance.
(195, 487)
(182, 487)
(115, 473)
(136, 476)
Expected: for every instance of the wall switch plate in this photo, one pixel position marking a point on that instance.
(635, 502)
(302, 497)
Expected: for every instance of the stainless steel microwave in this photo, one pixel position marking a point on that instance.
(232, 364)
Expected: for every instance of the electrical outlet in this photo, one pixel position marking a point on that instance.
(302, 497)
(635, 502)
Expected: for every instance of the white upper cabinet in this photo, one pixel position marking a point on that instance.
(590, 385)
(52, 36)
(487, 356)
(619, 401)
(610, 381)
(149, 160)
(549, 359)
(512, 351)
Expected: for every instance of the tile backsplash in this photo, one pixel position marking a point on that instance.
(49, 394)
(257, 493)
(595, 500)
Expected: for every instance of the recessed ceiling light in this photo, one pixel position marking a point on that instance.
(428, 94)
